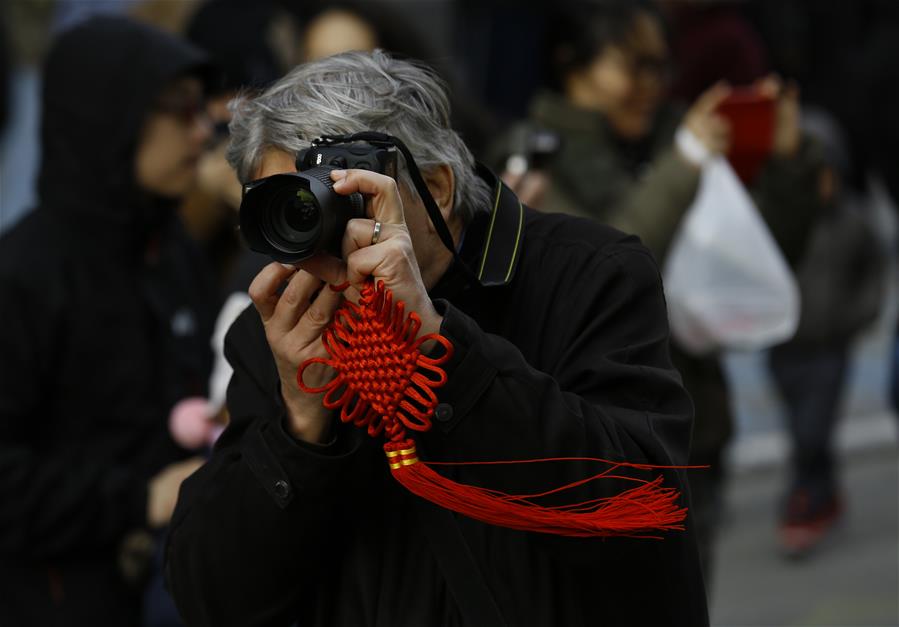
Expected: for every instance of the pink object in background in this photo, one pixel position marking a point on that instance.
(190, 424)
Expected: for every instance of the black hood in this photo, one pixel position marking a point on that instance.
(100, 80)
(237, 35)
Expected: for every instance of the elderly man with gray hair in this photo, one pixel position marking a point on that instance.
(560, 340)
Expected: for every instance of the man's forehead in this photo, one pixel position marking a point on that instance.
(275, 161)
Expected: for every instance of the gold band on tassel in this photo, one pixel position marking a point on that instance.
(407, 461)
(405, 452)
(406, 457)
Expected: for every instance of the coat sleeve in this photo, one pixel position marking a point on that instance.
(612, 392)
(255, 525)
(654, 205)
(54, 502)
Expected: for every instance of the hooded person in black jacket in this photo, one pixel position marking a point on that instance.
(560, 342)
(104, 324)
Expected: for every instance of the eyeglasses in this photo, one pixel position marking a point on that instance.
(647, 65)
(187, 110)
(640, 63)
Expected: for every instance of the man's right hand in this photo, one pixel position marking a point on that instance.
(294, 321)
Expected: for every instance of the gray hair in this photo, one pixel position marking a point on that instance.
(353, 92)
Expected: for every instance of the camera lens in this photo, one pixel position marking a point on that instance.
(302, 213)
(292, 220)
(291, 216)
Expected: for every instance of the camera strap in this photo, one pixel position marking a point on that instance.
(417, 180)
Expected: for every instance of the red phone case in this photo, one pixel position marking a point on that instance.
(751, 117)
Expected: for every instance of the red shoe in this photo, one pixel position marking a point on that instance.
(806, 525)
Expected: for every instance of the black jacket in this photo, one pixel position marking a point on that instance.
(103, 327)
(569, 357)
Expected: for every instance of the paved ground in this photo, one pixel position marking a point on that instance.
(852, 581)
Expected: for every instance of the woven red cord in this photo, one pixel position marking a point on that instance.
(382, 381)
(384, 384)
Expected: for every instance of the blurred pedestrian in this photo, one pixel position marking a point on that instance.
(104, 326)
(841, 279)
(332, 26)
(240, 39)
(252, 45)
(712, 41)
(631, 158)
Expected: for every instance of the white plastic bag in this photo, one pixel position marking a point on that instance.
(726, 281)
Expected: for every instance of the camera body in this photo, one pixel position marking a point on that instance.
(355, 155)
(294, 215)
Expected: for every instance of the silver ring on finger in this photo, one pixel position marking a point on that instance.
(376, 234)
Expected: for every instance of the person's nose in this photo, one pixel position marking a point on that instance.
(201, 130)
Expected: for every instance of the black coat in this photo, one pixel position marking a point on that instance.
(104, 325)
(569, 358)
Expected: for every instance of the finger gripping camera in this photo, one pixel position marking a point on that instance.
(295, 215)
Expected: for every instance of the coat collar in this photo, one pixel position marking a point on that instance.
(492, 244)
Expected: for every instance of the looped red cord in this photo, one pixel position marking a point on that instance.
(381, 383)
(385, 385)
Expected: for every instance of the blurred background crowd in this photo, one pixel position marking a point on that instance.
(584, 108)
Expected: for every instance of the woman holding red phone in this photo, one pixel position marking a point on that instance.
(631, 159)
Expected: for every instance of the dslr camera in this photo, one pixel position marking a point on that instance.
(292, 216)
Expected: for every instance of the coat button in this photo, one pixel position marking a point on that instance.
(282, 489)
(444, 412)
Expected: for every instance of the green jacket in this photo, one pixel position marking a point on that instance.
(591, 176)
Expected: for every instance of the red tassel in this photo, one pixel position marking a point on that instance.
(633, 512)
(380, 386)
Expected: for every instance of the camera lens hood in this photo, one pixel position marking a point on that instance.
(294, 215)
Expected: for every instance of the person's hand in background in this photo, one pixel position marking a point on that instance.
(704, 132)
(787, 132)
(528, 184)
(162, 493)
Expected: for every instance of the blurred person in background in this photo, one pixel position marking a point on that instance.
(711, 41)
(841, 279)
(629, 158)
(841, 271)
(104, 326)
(332, 26)
(251, 45)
